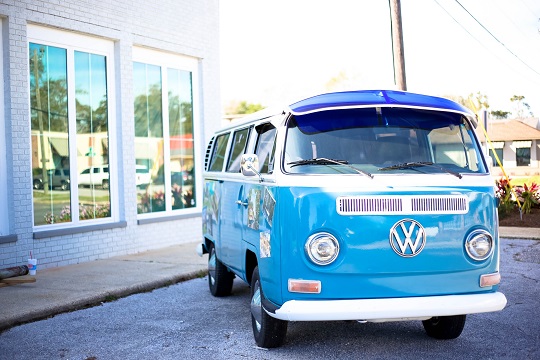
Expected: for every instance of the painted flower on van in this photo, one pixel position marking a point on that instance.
(269, 203)
(210, 211)
(254, 208)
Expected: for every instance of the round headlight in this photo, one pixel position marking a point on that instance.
(479, 245)
(322, 248)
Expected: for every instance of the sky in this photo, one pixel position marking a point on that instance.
(277, 51)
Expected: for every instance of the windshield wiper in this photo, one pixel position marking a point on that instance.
(325, 161)
(420, 163)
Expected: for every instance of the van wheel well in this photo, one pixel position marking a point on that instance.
(251, 263)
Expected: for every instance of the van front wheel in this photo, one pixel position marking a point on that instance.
(444, 327)
(268, 331)
(220, 279)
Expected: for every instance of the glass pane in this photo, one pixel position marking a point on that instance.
(218, 153)
(360, 138)
(523, 156)
(238, 147)
(92, 136)
(148, 115)
(499, 153)
(50, 142)
(182, 160)
(265, 148)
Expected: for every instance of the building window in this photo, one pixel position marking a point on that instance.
(164, 131)
(523, 156)
(499, 153)
(70, 111)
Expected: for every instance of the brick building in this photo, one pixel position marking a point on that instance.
(107, 108)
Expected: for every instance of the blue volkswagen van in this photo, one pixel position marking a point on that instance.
(364, 205)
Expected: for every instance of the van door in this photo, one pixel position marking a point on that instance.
(260, 199)
(233, 194)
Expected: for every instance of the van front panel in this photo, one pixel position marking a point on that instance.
(368, 266)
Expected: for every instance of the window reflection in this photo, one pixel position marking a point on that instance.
(149, 136)
(50, 142)
(164, 161)
(92, 136)
(51, 157)
(181, 162)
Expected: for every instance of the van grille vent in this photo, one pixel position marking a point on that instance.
(396, 205)
(208, 152)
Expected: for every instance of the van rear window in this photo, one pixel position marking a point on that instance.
(218, 153)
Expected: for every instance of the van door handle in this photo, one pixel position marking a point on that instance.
(239, 202)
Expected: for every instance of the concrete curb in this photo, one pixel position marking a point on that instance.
(519, 233)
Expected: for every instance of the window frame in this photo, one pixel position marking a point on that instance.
(4, 213)
(166, 60)
(260, 130)
(214, 152)
(518, 157)
(73, 42)
(236, 161)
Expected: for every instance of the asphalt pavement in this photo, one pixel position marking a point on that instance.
(73, 287)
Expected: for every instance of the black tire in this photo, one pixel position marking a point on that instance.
(445, 327)
(269, 332)
(220, 279)
(65, 185)
(105, 184)
(38, 185)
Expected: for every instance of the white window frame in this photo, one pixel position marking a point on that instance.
(4, 215)
(186, 63)
(77, 42)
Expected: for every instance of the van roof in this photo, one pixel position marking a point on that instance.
(373, 98)
(359, 98)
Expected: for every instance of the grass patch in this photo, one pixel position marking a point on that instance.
(525, 180)
(58, 197)
(110, 298)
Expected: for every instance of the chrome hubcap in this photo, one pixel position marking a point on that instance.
(212, 267)
(256, 306)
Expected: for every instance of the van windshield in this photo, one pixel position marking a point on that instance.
(381, 141)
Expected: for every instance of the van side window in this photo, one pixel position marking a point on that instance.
(238, 147)
(265, 147)
(218, 153)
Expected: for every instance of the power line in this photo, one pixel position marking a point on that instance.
(494, 37)
(468, 32)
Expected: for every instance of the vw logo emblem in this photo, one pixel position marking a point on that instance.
(407, 238)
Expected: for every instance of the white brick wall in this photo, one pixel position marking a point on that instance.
(188, 27)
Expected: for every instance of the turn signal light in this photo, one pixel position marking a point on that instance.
(490, 279)
(305, 286)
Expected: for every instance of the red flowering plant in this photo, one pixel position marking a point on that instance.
(151, 203)
(503, 192)
(529, 196)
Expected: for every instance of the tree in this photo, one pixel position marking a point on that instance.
(475, 102)
(243, 107)
(499, 114)
(520, 105)
(148, 113)
(478, 100)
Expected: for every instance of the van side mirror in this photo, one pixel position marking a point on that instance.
(249, 163)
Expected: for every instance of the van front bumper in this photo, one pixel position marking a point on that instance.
(393, 309)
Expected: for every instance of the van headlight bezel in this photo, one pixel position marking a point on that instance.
(479, 245)
(322, 248)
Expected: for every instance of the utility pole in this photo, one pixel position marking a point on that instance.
(397, 45)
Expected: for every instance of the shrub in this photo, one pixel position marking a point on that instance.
(503, 192)
(529, 196)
